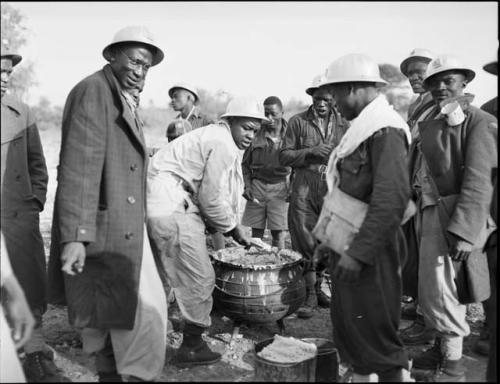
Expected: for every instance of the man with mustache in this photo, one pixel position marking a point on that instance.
(266, 180)
(195, 183)
(414, 68)
(308, 142)
(101, 264)
(451, 178)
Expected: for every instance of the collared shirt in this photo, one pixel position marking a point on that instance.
(208, 164)
(261, 159)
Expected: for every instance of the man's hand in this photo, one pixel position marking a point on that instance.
(323, 150)
(18, 311)
(459, 249)
(247, 194)
(321, 252)
(238, 234)
(347, 269)
(73, 257)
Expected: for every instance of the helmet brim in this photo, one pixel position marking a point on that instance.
(404, 64)
(492, 67)
(171, 92)
(16, 59)
(469, 74)
(250, 115)
(156, 52)
(310, 90)
(378, 81)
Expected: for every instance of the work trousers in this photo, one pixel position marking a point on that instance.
(139, 352)
(306, 200)
(366, 314)
(179, 239)
(437, 291)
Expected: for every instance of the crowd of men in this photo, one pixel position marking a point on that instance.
(130, 222)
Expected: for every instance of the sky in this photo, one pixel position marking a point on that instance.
(256, 48)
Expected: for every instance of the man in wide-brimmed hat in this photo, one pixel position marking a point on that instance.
(101, 264)
(24, 181)
(451, 181)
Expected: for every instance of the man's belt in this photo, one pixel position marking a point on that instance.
(318, 168)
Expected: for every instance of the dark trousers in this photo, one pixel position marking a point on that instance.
(366, 315)
(491, 371)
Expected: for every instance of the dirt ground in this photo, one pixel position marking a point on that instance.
(238, 359)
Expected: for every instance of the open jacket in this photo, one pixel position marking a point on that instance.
(100, 201)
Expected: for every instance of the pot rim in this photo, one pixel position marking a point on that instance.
(258, 267)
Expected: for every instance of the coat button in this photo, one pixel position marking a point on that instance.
(129, 235)
(131, 199)
(18, 177)
(133, 167)
(82, 231)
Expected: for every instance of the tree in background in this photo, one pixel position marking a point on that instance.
(13, 38)
(398, 92)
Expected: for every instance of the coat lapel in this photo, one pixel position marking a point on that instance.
(127, 115)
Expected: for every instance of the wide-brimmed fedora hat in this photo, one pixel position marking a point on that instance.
(492, 67)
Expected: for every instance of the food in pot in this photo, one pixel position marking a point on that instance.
(256, 257)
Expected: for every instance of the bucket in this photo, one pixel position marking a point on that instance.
(327, 365)
(266, 370)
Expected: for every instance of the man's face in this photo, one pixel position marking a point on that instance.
(274, 113)
(181, 98)
(6, 65)
(416, 74)
(130, 64)
(345, 99)
(243, 130)
(446, 84)
(322, 102)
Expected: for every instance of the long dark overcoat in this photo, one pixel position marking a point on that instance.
(24, 181)
(461, 160)
(100, 201)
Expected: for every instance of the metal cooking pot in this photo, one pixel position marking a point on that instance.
(258, 294)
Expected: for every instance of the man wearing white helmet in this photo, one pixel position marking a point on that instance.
(369, 165)
(101, 264)
(184, 100)
(309, 139)
(414, 68)
(451, 178)
(193, 183)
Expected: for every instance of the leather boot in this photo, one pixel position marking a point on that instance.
(409, 311)
(306, 311)
(323, 299)
(417, 333)
(430, 358)
(38, 367)
(482, 344)
(450, 371)
(194, 350)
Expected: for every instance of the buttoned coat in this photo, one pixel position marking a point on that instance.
(24, 181)
(100, 201)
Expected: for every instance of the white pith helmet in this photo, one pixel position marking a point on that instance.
(443, 63)
(245, 106)
(187, 87)
(314, 84)
(352, 68)
(137, 34)
(418, 54)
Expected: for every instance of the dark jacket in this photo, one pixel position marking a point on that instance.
(100, 201)
(24, 181)
(261, 159)
(377, 173)
(303, 135)
(461, 160)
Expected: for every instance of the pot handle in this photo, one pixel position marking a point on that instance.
(249, 297)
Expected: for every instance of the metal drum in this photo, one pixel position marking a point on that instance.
(258, 294)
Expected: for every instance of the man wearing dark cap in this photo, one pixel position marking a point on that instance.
(310, 138)
(24, 181)
(101, 264)
(266, 180)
